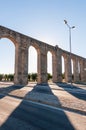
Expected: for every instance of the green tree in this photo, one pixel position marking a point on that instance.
(34, 76)
(63, 75)
(11, 77)
(49, 76)
(29, 76)
(1, 77)
(6, 77)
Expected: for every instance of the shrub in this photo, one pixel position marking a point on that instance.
(63, 75)
(49, 76)
(1, 77)
(29, 77)
(34, 76)
(10, 77)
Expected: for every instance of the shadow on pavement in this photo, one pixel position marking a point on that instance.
(28, 114)
(7, 90)
(77, 92)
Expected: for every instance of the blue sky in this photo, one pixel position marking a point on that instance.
(43, 20)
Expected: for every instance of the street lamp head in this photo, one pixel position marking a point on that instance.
(73, 26)
(65, 21)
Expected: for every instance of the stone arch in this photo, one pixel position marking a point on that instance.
(51, 52)
(20, 73)
(7, 57)
(72, 69)
(36, 46)
(63, 58)
(9, 38)
(22, 44)
(54, 62)
(49, 63)
(11, 35)
(63, 68)
(32, 53)
(14, 42)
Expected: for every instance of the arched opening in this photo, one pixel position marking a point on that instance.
(7, 59)
(63, 69)
(72, 69)
(49, 65)
(79, 70)
(32, 64)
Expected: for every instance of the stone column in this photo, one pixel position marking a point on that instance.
(68, 72)
(42, 66)
(57, 66)
(76, 69)
(82, 71)
(84, 62)
(21, 65)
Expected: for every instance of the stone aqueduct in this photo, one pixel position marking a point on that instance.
(23, 42)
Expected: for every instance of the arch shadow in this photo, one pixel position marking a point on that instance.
(29, 114)
(77, 92)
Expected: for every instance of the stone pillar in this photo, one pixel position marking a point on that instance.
(68, 69)
(76, 69)
(82, 71)
(57, 66)
(21, 65)
(42, 66)
(84, 62)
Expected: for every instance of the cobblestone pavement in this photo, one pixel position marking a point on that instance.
(71, 97)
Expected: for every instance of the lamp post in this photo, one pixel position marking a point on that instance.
(70, 27)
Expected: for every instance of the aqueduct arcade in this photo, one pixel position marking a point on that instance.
(23, 42)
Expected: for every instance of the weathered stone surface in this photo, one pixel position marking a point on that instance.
(23, 42)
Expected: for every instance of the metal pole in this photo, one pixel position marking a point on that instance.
(70, 51)
(69, 40)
